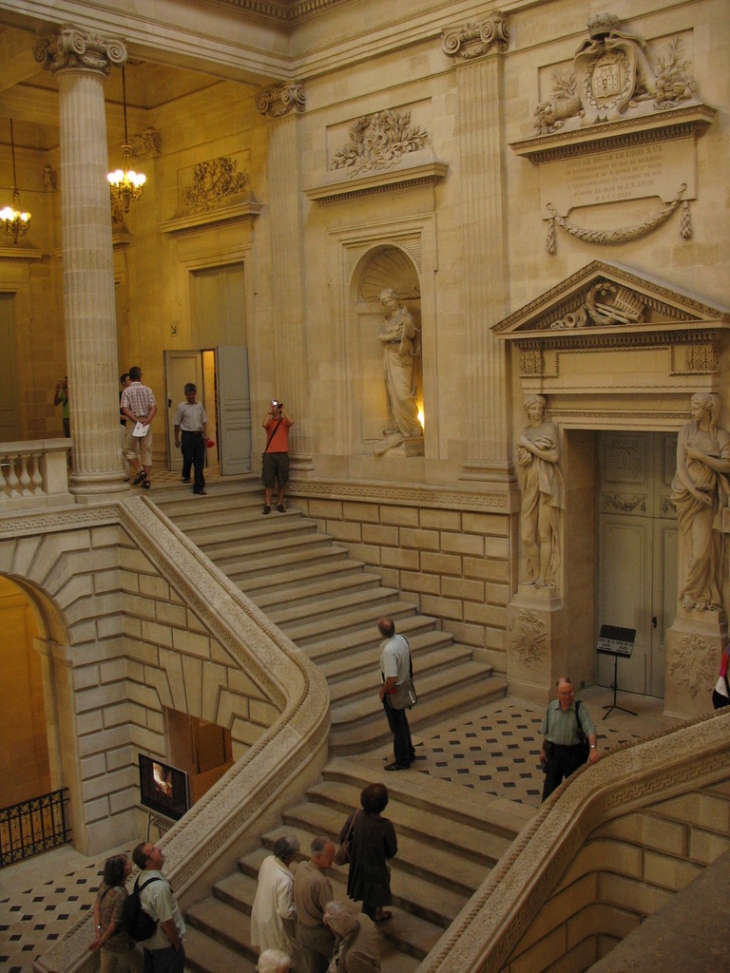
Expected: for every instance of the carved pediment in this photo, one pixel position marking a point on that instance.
(605, 300)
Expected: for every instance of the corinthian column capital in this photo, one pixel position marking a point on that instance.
(71, 47)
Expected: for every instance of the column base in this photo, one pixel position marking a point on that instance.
(536, 643)
(90, 486)
(693, 647)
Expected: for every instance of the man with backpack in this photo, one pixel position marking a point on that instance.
(569, 737)
(163, 951)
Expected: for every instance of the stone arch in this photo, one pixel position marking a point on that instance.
(49, 640)
(384, 265)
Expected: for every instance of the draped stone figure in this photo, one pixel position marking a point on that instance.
(401, 349)
(700, 490)
(538, 454)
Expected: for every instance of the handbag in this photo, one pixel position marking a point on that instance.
(404, 695)
(342, 855)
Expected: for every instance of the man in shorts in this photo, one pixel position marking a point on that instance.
(275, 460)
(139, 406)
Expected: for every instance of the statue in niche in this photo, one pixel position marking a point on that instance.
(700, 490)
(538, 455)
(401, 350)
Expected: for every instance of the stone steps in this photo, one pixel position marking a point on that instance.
(444, 853)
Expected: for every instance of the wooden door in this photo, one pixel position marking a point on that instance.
(637, 553)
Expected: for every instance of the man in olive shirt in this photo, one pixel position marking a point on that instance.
(562, 752)
(312, 892)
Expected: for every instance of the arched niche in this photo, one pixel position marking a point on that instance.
(383, 266)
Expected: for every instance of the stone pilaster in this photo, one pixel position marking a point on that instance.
(81, 61)
(282, 103)
(477, 49)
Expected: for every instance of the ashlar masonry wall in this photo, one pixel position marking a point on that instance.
(120, 640)
(452, 555)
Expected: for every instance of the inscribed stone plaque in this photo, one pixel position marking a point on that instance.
(636, 172)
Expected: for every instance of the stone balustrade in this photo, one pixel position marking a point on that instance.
(33, 473)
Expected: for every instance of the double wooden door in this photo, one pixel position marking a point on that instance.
(636, 574)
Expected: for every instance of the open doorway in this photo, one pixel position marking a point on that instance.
(221, 377)
(636, 563)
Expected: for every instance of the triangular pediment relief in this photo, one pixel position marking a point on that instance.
(607, 299)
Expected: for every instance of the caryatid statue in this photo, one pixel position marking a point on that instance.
(700, 490)
(538, 455)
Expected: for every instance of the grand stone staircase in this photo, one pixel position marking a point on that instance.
(328, 604)
(444, 853)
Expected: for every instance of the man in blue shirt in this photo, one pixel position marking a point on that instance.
(564, 726)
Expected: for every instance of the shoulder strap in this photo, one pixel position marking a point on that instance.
(352, 822)
(268, 441)
(155, 878)
(410, 657)
(577, 716)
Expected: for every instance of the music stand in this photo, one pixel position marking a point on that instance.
(616, 641)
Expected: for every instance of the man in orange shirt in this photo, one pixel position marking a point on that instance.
(275, 460)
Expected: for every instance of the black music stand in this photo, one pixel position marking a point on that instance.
(617, 642)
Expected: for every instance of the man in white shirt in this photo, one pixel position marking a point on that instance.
(395, 668)
(190, 422)
(164, 951)
(273, 912)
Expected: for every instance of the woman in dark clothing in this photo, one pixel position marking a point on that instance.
(372, 843)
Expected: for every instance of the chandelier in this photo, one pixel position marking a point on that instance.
(125, 185)
(16, 223)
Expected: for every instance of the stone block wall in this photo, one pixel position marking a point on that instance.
(625, 870)
(120, 641)
(453, 562)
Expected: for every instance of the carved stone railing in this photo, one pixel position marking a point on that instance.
(501, 913)
(285, 760)
(33, 473)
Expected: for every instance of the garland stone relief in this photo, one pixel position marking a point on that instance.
(529, 638)
(538, 455)
(379, 141)
(700, 490)
(214, 182)
(696, 665)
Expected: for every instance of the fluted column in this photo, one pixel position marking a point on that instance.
(283, 103)
(477, 48)
(81, 61)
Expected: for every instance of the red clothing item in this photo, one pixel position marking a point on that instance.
(280, 440)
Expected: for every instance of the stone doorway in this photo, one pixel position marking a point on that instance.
(636, 553)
